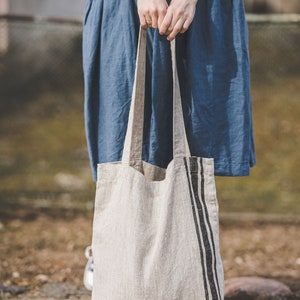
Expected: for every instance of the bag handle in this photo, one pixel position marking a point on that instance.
(132, 152)
(180, 143)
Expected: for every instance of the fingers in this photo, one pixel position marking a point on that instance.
(143, 22)
(158, 14)
(154, 19)
(170, 20)
(172, 24)
(179, 17)
(165, 26)
(161, 18)
(175, 30)
(186, 25)
(152, 15)
(180, 27)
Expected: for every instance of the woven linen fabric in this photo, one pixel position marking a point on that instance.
(213, 67)
(155, 230)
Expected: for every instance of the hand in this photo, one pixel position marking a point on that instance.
(178, 18)
(152, 12)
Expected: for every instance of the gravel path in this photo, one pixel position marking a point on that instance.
(44, 254)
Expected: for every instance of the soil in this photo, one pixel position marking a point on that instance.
(42, 247)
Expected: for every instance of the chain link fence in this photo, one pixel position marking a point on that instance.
(42, 141)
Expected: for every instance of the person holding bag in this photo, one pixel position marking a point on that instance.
(161, 121)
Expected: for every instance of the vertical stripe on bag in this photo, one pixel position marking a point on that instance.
(203, 221)
(212, 252)
(214, 271)
(197, 231)
(203, 228)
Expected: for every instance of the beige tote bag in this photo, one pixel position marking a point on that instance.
(155, 231)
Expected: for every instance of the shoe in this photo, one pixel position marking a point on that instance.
(89, 269)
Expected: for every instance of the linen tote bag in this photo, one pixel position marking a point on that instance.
(155, 230)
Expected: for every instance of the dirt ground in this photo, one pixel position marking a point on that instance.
(41, 247)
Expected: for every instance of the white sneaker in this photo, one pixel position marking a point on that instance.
(89, 269)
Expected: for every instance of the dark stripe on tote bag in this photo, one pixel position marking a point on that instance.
(203, 239)
(197, 231)
(202, 218)
(210, 228)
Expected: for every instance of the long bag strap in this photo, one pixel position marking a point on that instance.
(132, 152)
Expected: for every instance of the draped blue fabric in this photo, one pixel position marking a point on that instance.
(213, 66)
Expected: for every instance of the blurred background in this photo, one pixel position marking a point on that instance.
(44, 165)
(43, 153)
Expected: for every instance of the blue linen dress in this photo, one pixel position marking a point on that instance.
(213, 66)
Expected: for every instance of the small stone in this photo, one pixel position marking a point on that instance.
(12, 289)
(42, 278)
(16, 275)
(63, 290)
(7, 283)
(238, 260)
(252, 288)
(24, 283)
(4, 264)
